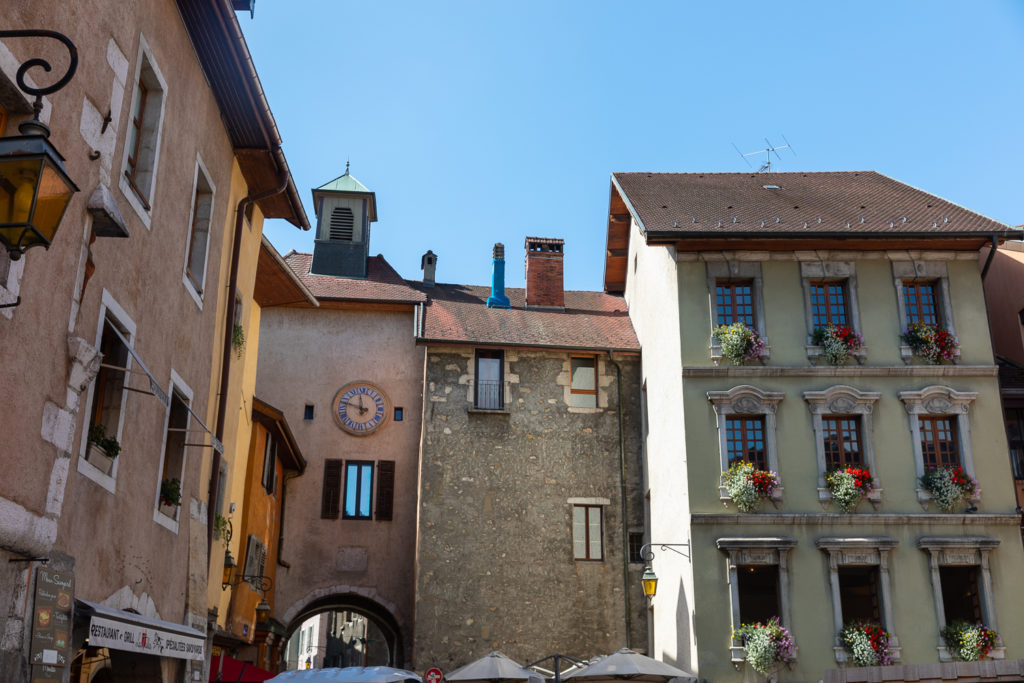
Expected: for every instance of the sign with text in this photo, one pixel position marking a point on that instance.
(119, 635)
(51, 618)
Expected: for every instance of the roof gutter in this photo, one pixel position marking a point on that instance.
(674, 235)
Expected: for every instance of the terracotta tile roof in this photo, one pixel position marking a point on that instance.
(382, 284)
(591, 320)
(863, 203)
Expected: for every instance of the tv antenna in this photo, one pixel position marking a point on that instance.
(767, 152)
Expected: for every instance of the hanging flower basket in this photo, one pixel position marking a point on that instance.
(868, 644)
(740, 343)
(837, 343)
(950, 487)
(766, 647)
(969, 642)
(930, 342)
(849, 486)
(748, 486)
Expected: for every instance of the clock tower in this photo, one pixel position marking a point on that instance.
(344, 210)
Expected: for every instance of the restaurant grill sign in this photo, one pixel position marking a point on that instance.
(119, 635)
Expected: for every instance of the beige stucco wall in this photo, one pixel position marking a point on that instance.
(686, 430)
(1005, 297)
(305, 357)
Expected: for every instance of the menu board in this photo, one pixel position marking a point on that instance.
(51, 621)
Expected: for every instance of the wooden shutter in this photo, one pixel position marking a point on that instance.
(385, 489)
(255, 559)
(330, 506)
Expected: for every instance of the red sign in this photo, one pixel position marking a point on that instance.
(433, 676)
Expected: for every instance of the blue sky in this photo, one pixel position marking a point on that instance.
(484, 122)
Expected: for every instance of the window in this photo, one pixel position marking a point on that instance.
(758, 582)
(142, 143)
(1014, 418)
(961, 583)
(358, 490)
(746, 428)
(108, 390)
(841, 438)
(330, 502)
(308, 413)
(199, 231)
(938, 442)
(269, 478)
(745, 439)
(490, 394)
(175, 440)
(842, 417)
(385, 490)
(830, 297)
(940, 430)
(399, 414)
(828, 304)
(922, 294)
(583, 386)
(858, 570)
(734, 303)
(636, 545)
(587, 535)
(919, 302)
(734, 288)
(255, 560)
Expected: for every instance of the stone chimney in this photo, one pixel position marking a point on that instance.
(497, 299)
(544, 288)
(428, 263)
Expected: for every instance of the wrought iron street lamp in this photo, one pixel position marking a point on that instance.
(649, 580)
(34, 187)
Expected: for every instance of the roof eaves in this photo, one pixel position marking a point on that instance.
(629, 205)
(526, 345)
(673, 234)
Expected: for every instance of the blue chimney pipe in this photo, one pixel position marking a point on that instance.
(497, 299)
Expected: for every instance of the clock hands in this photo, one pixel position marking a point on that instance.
(360, 407)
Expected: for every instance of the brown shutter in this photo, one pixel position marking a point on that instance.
(330, 505)
(385, 489)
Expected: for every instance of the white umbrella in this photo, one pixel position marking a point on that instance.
(492, 667)
(628, 665)
(351, 674)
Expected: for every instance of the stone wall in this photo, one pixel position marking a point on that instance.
(495, 566)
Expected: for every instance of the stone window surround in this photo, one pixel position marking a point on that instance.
(196, 293)
(939, 400)
(184, 391)
(914, 270)
(962, 551)
(598, 502)
(86, 468)
(844, 400)
(756, 551)
(860, 552)
(145, 56)
(737, 270)
(747, 400)
(830, 271)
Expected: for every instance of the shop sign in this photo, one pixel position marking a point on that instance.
(51, 620)
(120, 635)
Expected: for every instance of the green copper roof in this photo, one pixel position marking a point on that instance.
(344, 183)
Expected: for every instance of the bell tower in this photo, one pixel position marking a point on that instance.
(344, 210)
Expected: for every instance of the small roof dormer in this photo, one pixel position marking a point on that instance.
(344, 210)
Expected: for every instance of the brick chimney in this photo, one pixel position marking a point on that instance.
(544, 287)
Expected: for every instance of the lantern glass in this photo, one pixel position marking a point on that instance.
(649, 580)
(262, 612)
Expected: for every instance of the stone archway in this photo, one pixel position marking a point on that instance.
(365, 602)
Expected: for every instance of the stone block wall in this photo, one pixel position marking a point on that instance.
(495, 565)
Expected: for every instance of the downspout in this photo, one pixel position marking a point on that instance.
(229, 323)
(622, 502)
(991, 255)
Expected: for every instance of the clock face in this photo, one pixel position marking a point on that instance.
(360, 408)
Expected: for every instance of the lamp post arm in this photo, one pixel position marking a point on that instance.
(647, 554)
(37, 61)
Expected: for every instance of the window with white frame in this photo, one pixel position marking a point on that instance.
(108, 393)
(830, 298)
(758, 579)
(746, 428)
(940, 430)
(735, 289)
(860, 585)
(587, 532)
(198, 247)
(922, 296)
(961, 584)
(142, 144)
(844, 433)
(175, 443)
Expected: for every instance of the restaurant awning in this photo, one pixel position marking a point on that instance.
(120, 630)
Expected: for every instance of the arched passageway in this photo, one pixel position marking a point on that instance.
(343, 630)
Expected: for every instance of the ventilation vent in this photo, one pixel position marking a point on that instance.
(342, 222)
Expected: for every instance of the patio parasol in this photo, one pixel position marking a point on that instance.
(350, 674)
(492, 668)
(626, 665)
